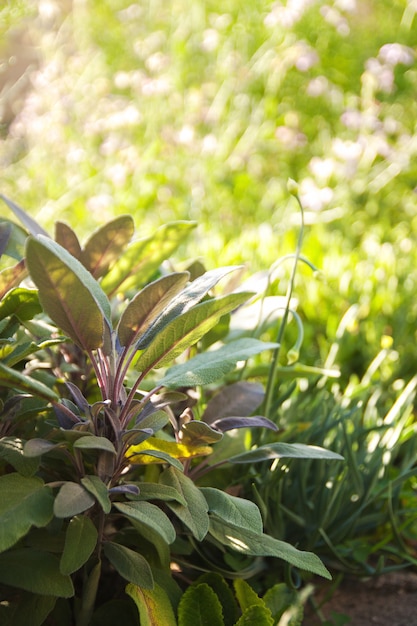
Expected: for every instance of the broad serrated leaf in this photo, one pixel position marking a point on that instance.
(259, 615)
(200, 606)
(246, 596)
(143, 258)
(184, 301)
(16, 380)
(95, 443)
(259, 544)
(279, 598)
(12, 451)
(153, 605)
(150, 515)
(241, 398)
(185, 330)
(21, 302)
(24, 502)
(98, 489)
(34, 571)
(132, 566)
(195, 514)
(208, 367)
(147, 305)
(224, 594)
(106, 245)
(237, 511)
(283, 450)
(66, 237)
(68, 293)
(72, 499)
(80, 541)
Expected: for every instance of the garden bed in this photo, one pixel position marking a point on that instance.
(388, 600)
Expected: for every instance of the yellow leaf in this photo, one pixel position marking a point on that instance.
(175, 450)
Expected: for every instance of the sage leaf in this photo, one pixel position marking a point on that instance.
(80, 541)
(208, 367)
(185, 330)
(68, 292)
(72, 499)
(132, 566)
(35, 571)
(153, 605)
(24, 502)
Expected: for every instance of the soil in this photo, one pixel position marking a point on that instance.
(388, 600)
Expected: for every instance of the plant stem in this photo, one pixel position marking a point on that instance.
(276, 354)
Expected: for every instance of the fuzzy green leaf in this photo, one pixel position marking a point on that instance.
(36, 447)
(98, 489)
(208, 367)
(16, 380)
(32, 609)
(12, 451)
(80, 541)
(147, 305)
(106, 245)
(23, 303)
(194, 515)
(68, 292)
(153, 605)
(142, 258)
(156, 491)
(132, 566)
(237, 511)
(95, 443)
(200, 606)
(185, 330)
(34, 571)
(283, 450)
(24, 502)
(72, 499)
(150, 515)
(258, 544)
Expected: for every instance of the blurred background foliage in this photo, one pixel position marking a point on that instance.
(169, 110)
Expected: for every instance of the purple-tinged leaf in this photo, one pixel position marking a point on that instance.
(132, 490)
(242, 398)
(66, 237)
(148, 305)
(67, 291)
(229, 423)
(106, 245)
(5, 232)
(33, 227)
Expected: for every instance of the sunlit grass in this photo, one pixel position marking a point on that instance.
(167, 111)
